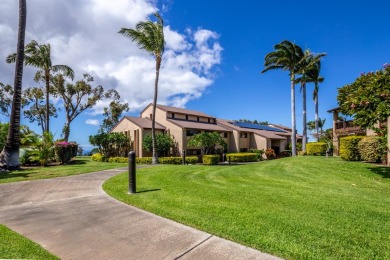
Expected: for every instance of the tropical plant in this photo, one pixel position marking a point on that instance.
(45, 149)
(39, 56)
(286, 56)
(207, 141)
(150, 37)
(9, 157)
(164, 143)
(6, 94)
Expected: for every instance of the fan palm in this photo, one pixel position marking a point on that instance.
(9, 157)
(314, 76)
(309, 60)
(150, 36)
(286, 56)
(39, 56)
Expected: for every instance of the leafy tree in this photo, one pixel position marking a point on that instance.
(367, 99)
(113, 112)
(9, 157)
(150, 37)
(307, 62)
(76, 98)
(208, 141)
(80, 151)
(164, 144)
(35, 99)
(28, 137)
(111, 144)
(39, 56)
(286, 56)
(311, 125)
(3, 134)
(6, 94)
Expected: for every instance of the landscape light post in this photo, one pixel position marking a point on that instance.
(183, 155)
(132, 180)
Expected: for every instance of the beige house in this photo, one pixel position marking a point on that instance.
(181, 124)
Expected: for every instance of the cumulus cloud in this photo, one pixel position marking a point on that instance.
(92, 122)
(84, 35)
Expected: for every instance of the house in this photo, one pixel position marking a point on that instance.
(181, 124)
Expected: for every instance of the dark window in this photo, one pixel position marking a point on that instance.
(150, 116)
(197, 119)
(244, 135)
(243, 150)
(209, 120)
(186, 117)
(191, 132)
(225, 135)
(193, 152)
(173, 115)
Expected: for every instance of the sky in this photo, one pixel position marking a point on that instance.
(214, 53)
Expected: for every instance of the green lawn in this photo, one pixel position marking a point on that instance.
(79, 165)
(15, 246)
(296, 208)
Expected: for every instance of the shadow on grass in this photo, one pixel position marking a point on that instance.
(142, 191)
(381, 170)
(13, 174)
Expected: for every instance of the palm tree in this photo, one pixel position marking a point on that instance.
(314, 76)
(150, 36)
(9, 157)
(286, 56)
(39, 56)
(304, 66)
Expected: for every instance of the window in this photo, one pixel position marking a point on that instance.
(197, 119)
(244, 135)
(193, 152)
(225, 135)
(243, 150)
(186, 117)
(191, 132)
(150, 116)
(209, 120)
(173, 115)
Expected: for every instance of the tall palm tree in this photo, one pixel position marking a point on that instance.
(286, 56)
(150, 36)
(314, 76)
(9, 157)
(306, 64)
(39, 56)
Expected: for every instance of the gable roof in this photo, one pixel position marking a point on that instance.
(268, 134)
(178, 110)
(144, 123)
(198, 125)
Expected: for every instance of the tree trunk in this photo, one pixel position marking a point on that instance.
(304, 119)
(66, 130)
(47, 80)
(293, 123)
(154, 141)
(316, 112)
(9, 157)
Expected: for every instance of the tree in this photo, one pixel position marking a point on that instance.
(39, 56)
(6, 94)
(9, 157)
(111, 144)
(113, 112)
(150, 37)
(164, 144)
(306, 64)
(76, 98)
(80, 151)
(208, 141)
(34, 97)
(367, 99)
(286, 56)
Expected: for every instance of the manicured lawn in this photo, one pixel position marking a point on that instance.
(15, 246)
(296, 208)
(80, 165)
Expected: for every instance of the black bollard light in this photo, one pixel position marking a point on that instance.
(132, 180)
(183, 155)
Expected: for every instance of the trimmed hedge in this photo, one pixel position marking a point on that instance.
(210, 159)
(349, 150)
(166, 160)
(242, 157)
(118, 160)
(143, 160)
(318, 148)
(98, 157)
(370, 149)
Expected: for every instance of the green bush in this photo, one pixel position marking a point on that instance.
(118, 160)
(210, 159)
(318, 148)
(370, 149)
(258, 152)
(349, 150)
(98, 157)
(192, 159)
(143, 160)
(29, 156)
(242, 157)
(285, 153)
(65, 151)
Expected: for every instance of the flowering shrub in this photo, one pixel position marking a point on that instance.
(64, 151)
(270, 153)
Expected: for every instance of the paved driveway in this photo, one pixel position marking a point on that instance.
(73, 218)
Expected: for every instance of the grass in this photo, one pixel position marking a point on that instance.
(296, 208)
(79, 165)
(15, 246)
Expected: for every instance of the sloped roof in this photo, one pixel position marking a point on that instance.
(283, 127)
(198, 125)
(225, 123)
(179, 110)
(144, 123)
(268, 134)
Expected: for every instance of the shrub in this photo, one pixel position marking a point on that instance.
(270, 154)
(285, 153)
(65, 151)
(98, 157)
(349, 150)
(143, 160)
(210, 159)
(118, 160)
(162, 160)
(29, 156)
(192, 159)
(258, 152)
(370, 149)
(318, 148)
(242, 157)
(170, 160)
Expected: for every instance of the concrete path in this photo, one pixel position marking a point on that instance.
(73, 218)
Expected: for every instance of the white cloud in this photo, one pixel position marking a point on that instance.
(84, 35)
(92, 122)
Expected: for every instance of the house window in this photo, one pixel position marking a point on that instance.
(197, 119)
(186, 117)
(193, 152)
(244, 135)
(209, 120)
(243, 150)
(191, 132)
(150, 116)
(173, 115)
(225, 135)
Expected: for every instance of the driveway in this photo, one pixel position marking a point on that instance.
(73, 218)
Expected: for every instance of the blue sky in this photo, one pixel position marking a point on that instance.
(232, 37)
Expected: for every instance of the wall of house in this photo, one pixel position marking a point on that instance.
(258, 142)
(127, 127)
(244, 142)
